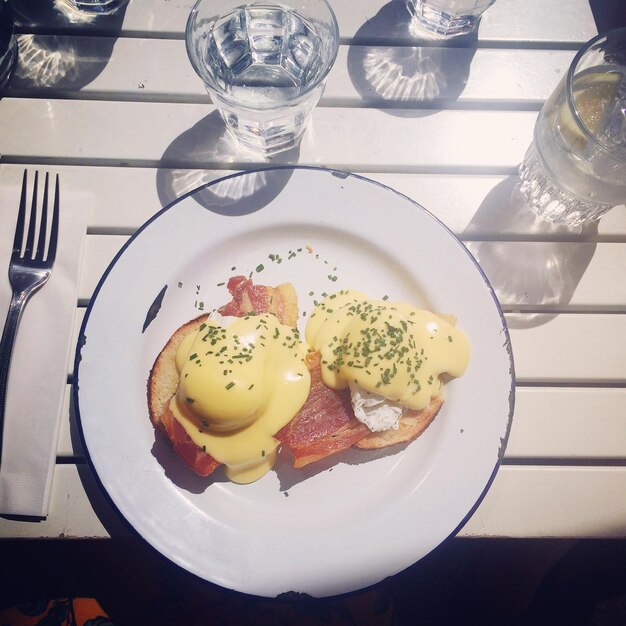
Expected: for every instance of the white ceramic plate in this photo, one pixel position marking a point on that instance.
(346, 522)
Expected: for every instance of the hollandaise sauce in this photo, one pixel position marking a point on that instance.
(239, 385)
(391, 349)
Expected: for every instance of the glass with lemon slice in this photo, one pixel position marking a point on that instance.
(575, 169)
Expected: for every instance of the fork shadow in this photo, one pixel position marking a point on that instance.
(528, 274)
(60, 62)
(408, 81)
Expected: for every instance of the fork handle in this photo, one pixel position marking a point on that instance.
(18, 300)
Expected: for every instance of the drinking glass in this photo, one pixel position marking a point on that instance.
(95, 7)
(448, 18)
(264, 65)
(8, 44)
(575, 169)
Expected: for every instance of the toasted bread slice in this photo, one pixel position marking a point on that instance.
(412, 425)
(247, 297)
(164, 379)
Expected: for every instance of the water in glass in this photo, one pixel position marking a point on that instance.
(264, 65)
(448, 17)
(587, 156)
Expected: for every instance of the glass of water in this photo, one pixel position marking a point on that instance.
(575, 169)
(95, 7)
(264, 65)
(448, 18)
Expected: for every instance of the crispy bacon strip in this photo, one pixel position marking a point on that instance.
(324, 425)
(249, 298)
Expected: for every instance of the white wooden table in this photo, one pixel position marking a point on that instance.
(115, 107)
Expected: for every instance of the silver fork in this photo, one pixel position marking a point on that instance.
(29, 269)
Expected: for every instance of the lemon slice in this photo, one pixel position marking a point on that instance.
(593, 93)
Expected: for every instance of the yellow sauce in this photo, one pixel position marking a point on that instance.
(238, 387)
(391, 349)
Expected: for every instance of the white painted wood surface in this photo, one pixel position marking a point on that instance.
(361, 76)
(507, 21)
(116, 109)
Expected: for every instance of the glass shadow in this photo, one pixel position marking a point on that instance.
(208, 142)
(549, 276)
(60, 62)
(408, 81)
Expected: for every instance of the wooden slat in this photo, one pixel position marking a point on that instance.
(522, 502)
(78, 509)
(121, 199)
(368, 20)
(578, 349)
(552, 502)
(549, 423)
(568, 423)
(362, 75)
(506, 21)
(167, 134)
(584, 348)
(554, 275)
(524, 275)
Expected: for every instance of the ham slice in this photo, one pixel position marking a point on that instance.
(282, 300)
(325, 424)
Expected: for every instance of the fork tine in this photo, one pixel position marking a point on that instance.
(21, 217)
(30, 238)
(54, 229)
(43, 227)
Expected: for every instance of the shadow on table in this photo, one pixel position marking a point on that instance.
(608, 14)
(524, 274)
(408, 81)
(60, 62)
(103, 507)
(209, 143)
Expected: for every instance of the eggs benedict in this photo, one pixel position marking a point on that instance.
(232, 391)
(239, 385)
(380, 376)
(392, 356)
(221, 388)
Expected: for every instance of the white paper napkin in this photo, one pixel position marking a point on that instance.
(38, 374)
